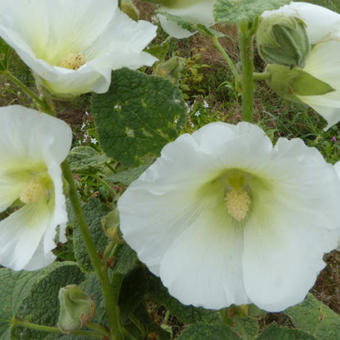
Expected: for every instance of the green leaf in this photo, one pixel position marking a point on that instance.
(126, 177)
(204, 331)
(234, 11)
(33, 295)
(125, 260)
(273, 332)
(186, 314)
(247, 327)
(91, 286)
(314, 317)
(85, 160)
(5, 51)
(94, 211)
(137, 116)
(132, 292)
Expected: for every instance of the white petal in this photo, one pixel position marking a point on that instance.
(320, 21)
(324, 64)
(203, 266)
(21, 234)
(293, 223)
(106, 37)
(59, 215)
(199, 13)
(26, 134)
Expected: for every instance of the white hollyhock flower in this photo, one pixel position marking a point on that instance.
(33, 145)
(223, 217)
(323, 62)
(73, 45)
(192, 11)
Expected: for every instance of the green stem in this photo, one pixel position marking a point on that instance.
(246, 36)
(111, 302)
(42, 104)
(228, 60)
(23, 87)
(41, 328)
(101, 180)
(261, 76)
(99, 328)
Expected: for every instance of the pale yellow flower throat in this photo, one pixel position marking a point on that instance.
(72, 61)
(36, 189)
(236, 198)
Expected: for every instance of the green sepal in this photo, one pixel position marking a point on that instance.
(283, 40)
(76, 309)
(289, 83)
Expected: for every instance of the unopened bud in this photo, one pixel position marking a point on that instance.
(76, 309)
(283, 40)
(290, 83)
(170, 69)
(128, 7)
(110, 224)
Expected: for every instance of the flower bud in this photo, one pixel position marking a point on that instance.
(283, 40)
(76, 309)
(170, 69)
(290, 83)
(110, 224)
(128, 7)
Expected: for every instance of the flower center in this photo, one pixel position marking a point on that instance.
(237, 202)
(34, 190)
(72, 61)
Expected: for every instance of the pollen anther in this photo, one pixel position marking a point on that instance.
(237, 202)
(73, 61)
(33, 191)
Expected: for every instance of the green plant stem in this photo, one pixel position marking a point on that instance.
(27, 324)
(111, 302)
(99, 328)
(246, 36)
(101, 180)
(23, 88)
(228, 60)
(261, 76)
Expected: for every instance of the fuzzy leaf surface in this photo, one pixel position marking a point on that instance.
(235, 11)
(137, 116)
(94, 211)
(315, 318)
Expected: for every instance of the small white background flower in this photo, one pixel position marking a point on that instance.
(73, 45)
(33, 145)
(223, 217)
(196, 12)
(323, 29)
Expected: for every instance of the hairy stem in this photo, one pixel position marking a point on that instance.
(111, 302)
(21, 323)
(246, 36)
(261, 76)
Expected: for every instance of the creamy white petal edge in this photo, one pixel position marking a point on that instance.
(324, 64)
(320, 21)
(44, 31)
(174, 217)
(30, 139)
(337, 169)
(199, 13)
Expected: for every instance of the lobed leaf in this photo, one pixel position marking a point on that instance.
(137, 116)
(315, 318)
(235, 11)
